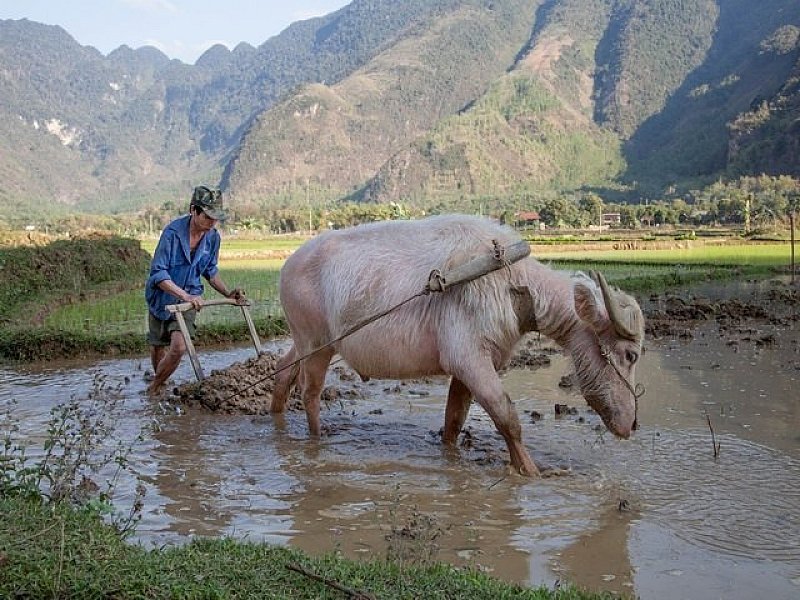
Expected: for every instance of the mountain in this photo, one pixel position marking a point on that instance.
(766, 138)
(331, 138)
(690, 136)
(80, 131)
(442, 103)
(532, 130)
(602, 94)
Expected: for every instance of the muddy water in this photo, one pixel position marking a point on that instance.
(657, 516)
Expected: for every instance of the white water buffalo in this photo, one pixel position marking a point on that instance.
(341, 278)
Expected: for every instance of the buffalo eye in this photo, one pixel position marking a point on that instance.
(631, 356)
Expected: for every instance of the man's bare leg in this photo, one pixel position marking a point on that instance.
(156, 354)
(169, 362)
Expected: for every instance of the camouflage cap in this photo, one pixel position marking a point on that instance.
(209, 201)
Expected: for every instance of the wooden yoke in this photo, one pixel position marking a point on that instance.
(179, 309)
(479, 266)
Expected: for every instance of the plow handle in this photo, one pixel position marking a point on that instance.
(184, 306)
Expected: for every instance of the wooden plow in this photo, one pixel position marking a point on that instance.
(179, 309)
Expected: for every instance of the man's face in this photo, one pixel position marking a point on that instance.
(205, 222)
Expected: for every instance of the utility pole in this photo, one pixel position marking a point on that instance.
(791, 225)
(794, 196)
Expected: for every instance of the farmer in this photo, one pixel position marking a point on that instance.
(188, 249)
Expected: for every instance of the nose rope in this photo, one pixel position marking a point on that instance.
(637, 391)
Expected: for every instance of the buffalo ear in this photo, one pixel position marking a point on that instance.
(587, 306)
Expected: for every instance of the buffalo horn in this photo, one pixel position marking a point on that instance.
(613, 309)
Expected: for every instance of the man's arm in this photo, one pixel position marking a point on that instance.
(219, 285)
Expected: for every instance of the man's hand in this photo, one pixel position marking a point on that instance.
(237, 294)
(196, 301)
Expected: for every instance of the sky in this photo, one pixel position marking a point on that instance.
(181, 29)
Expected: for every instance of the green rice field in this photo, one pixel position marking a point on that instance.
(127, 313)
(751, 254)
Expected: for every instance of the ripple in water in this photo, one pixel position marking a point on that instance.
(744, 503)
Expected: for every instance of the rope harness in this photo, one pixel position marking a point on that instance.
(637, 391)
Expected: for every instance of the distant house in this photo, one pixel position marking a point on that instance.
(528, 218)
(613, 218)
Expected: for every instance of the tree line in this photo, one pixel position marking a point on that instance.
(750, 203)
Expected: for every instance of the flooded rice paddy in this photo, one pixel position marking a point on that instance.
(657, 516)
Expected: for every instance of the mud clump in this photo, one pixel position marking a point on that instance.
(247, 387)
(531, 355)
(240, 388)
(737, 320)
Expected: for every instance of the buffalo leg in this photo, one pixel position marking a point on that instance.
(488, 392)
(284, 381)
(313, 378)
(458, 400)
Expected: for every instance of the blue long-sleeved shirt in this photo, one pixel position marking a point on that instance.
(173, 260)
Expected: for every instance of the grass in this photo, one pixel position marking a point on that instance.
(91, 321)
(62, 551)
(126, 312)
(749, 254)
(652, 270)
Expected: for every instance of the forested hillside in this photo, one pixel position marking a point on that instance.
(445, 104)
(689, 139)
(624, 97)
(327, 140)
(80, 131)
(766, 138)
(531, 132)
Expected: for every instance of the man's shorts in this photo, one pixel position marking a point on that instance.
(160, 333)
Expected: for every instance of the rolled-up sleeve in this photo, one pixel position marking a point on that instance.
(159, 267)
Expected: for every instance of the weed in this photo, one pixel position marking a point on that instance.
(79, 450)
(413, 540)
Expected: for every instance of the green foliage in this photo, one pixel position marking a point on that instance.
(764, 139)
(785, 39)
(690, 142)
(508, 144)
(647, 57)
(80, 461)
(40, 344)
(45, 343)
